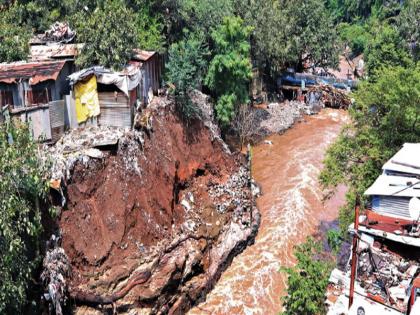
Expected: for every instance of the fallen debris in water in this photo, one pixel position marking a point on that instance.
(330, 96)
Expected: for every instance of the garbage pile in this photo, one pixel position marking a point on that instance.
(385, 276)
(329, 96)
(59, 32)
(277, 117)
(203, 102)
(231, 194)
(79, 145)
(56, 268)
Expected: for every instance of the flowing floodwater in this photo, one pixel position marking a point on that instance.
(291, 207)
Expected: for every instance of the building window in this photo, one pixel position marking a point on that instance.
(6, 98)
(36, 97)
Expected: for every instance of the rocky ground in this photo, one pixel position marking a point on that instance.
(278, 117)
(148, 219)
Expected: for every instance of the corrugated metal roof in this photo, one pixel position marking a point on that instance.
(399, 186)
(34, 71)
(143, 55)
(407, 160)
(56, 50)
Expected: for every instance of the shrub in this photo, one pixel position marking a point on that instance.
(22, 186)
(307, 281)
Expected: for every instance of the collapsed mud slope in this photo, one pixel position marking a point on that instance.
(151, 217)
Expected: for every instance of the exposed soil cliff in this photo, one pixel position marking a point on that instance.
(150, 223)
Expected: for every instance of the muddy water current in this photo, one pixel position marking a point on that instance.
(292, 208)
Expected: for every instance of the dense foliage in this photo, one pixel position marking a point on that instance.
(230, 69)
(21, 190)
(107, 35)
(386, 114)
(14, 36)
(409, 26)
(307, 280)
(385, 49)
(351, 10)
(185, 69)
(292, 34)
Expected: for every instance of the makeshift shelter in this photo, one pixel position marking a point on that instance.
(151, 66)
(383, 273)
(111, 96)
(34, 92)
(392, 191)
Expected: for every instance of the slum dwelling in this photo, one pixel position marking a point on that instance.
(383, 272)
(148, 217)
(34, 92)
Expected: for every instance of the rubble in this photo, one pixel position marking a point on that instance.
(56, 269)
(202, 101)
(80, 145)
(384, 275)
(150, 219)
(231, 194)
(58, 32)
(329, 96)
(385, 261)
(277, 118)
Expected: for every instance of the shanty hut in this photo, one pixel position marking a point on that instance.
(399, 183)
(34, 92)
(105, 97)
(151, 65)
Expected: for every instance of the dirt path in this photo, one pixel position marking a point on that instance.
(291, 209)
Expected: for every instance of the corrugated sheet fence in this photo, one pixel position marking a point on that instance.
(57, 119)
(391, 206)
(115, 110)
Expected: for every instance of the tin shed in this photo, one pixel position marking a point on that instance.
(34, 92)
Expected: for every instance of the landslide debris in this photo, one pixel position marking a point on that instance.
(149, 218)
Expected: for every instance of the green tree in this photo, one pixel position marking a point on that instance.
(185, 71)
(230, 69)
(205, 15)
(150, 34)
(351, 10)
(356, 36)
(386, 114)
(385, 49)
(409, 26)
(14, 39)
(307, 281)
(292, 34)
(22, 187)
(108, 34)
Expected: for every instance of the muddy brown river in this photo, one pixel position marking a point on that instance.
(291, 207)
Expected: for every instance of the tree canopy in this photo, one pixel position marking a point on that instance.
(230, 69)
(107, 35)
(185, 70)
(385, 49)
(386, 114)
(293, 33)
(409, 26)
(307, 280)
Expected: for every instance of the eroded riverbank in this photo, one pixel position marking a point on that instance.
(291, 209)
